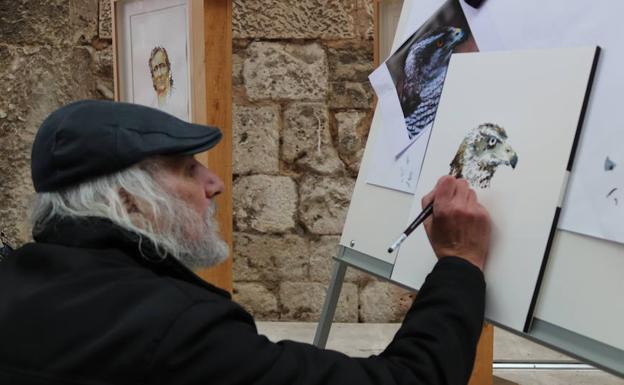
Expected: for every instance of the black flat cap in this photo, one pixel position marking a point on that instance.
(91, 138)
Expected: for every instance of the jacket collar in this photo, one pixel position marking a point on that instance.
(100, 233)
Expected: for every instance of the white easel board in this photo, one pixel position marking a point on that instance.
(578, 311)
(529, 104)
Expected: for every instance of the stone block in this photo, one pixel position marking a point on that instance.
(352, 127)
(354, 162)
(324, 202)
(103, 60)
(83, 16)
(282, 71)
(351, 131)
(257, 300)
(255, 139)
(384, 302)
(252, 259)
(105, 88)
(366, 21)
(307, 141)
(238, 60)
(350, 62)
(265, 203)
(322, 253)
(293, 263)
(351, 95)
(35, 22)
(270, 258)
(303, 301)
(294, 19)
(105, 23)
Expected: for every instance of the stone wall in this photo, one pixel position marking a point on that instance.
(51, 53)
(302, 109)
(302, 106)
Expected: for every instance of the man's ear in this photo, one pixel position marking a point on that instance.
(129, 201)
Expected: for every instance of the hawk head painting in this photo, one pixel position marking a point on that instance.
(425, 68)
(483, 149)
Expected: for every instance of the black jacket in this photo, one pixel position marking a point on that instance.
(83, 306)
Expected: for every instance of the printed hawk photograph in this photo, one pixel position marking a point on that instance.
(419, 67)
(425, 70)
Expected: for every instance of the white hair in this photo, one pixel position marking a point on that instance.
(166, 221)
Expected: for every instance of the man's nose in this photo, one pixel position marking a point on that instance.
(213, 186)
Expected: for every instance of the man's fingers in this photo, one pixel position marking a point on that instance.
(461, 191)
(427, 199)
(445, 190)
(472, 197)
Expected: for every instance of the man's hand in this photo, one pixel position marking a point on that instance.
(459, 226)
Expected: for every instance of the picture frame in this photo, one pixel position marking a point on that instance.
(386, 19)
(158, 52)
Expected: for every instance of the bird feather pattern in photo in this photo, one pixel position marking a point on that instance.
(425, 68)
(483, 149)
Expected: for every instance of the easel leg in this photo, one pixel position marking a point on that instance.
(329, 307)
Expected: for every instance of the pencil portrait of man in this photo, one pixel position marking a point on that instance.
(160, 71)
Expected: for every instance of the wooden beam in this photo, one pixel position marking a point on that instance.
(113, 5)
(217, 58)
(482, 373)
(376, 36)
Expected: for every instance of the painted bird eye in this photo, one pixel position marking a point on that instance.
(440, 43)
(492, 142)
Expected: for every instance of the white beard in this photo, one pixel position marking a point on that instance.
(205, 247)
(194, 239)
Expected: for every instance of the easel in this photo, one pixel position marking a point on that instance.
(482, 372)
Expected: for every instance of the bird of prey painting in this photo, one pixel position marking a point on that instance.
(425, 68)
(483, 149)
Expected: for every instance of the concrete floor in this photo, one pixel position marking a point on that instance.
(362, 340)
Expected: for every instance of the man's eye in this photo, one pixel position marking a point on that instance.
(492, 142)
(190, 170)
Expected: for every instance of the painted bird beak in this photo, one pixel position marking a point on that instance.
(514, 161)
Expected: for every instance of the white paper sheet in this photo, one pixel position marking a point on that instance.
(501, 24)
(387, 170)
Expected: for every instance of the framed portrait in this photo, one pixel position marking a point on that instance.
(155, 48)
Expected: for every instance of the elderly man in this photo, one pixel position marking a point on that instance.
(106, 295)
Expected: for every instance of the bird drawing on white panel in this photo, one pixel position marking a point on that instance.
(483, 149)
(425, 68)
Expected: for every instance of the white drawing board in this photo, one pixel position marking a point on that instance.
(580, 297)
(528, 105)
